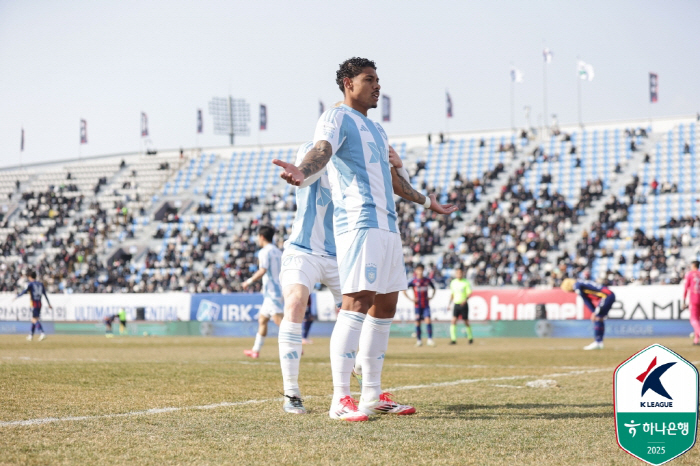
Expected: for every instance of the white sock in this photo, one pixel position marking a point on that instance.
(344, 343)
(259, 340)
(373, 344)
(290, 355)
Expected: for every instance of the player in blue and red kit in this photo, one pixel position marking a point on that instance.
(420, 285)
(36, 290)
(599, 299)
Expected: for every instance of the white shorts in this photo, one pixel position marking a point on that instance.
(270, 307)
(301, 268)
(370, 259)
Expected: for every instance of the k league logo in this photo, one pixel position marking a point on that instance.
(371, 272)
(656, 405)
(652, 379)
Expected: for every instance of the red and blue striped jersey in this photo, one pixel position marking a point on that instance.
(420, 291)
(36, 290)
(592, 293)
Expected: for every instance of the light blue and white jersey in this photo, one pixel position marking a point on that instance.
(312, 231)
(359, 171)
(270, 259)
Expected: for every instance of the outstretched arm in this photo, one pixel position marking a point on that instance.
(314, 161)
(403, 188)
(256, 276)
(47, 299)
(22, 293)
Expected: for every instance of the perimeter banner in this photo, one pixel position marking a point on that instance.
(90, 307)
(661, 302)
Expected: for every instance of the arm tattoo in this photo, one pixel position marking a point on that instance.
(404, 189)
(316, 158)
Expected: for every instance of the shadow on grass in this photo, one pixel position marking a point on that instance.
(530, 411)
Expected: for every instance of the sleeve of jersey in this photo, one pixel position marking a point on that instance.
(329, 128)
(303, 150)
(263, 260)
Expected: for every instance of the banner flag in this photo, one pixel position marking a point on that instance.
(21, 142)
(263, 117)
(83, 132)
(144, 125)
(449, 105)
(585, 70)
(548, 54)
(516, 75)
(200, 122)
(321, 108)
(386, 108)
(653, 87)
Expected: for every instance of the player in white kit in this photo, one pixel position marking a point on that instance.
(309, 257)
(369, 251)
(269, 260)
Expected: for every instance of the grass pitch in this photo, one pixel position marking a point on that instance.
(200, 401)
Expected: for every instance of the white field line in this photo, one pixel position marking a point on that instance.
(225, 404)
(47, 420)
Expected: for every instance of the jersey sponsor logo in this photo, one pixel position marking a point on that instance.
(371, 272)
(324, 197)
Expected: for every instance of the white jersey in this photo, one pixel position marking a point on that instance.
(312, 231)
(359, 171)
(270, 259)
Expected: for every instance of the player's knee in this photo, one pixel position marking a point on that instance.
(427, 320)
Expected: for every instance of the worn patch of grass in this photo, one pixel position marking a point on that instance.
(489, 417)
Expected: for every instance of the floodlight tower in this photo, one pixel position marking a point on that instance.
(231, 116)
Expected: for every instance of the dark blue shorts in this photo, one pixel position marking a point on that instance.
(605, 305)
(36, 312)
(422, 313)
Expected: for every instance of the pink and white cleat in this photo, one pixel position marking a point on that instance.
(346, 410)
(385, 405)
(251, 354)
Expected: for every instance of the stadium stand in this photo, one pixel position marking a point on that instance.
(616, 203)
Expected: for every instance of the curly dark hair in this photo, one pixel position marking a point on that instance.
(351, 68)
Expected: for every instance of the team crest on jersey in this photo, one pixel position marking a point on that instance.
(381, 131)
(378, 153)
(324, 197)
(371, 272)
